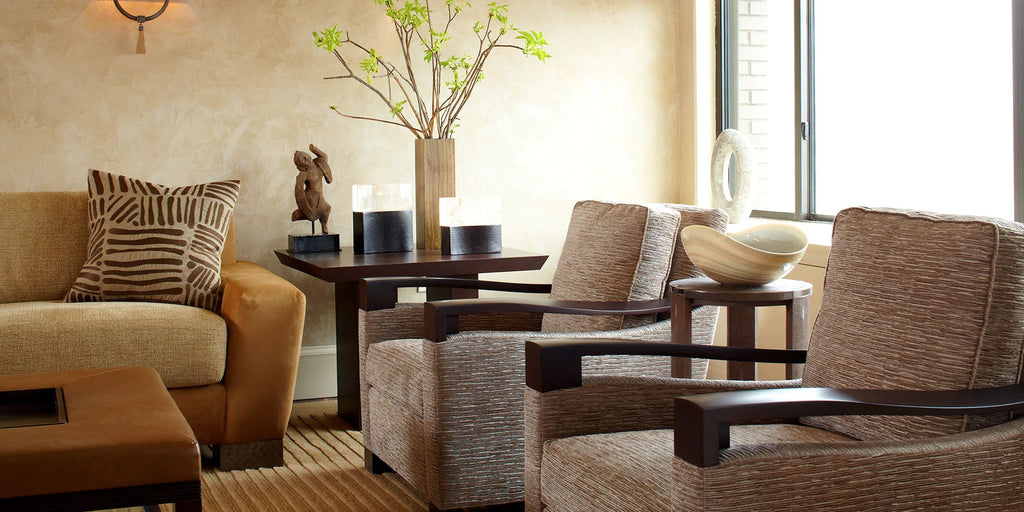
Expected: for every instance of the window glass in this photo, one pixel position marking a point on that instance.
(913, 105)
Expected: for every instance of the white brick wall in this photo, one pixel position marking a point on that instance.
(753, 72)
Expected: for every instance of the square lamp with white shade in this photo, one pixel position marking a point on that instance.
(382, 218)
(470, 225)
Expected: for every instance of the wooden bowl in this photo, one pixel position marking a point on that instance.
(754, 256)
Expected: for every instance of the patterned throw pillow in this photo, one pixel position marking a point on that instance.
(151, 243)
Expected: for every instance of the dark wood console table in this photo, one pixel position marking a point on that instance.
(741, 324)
(345, 269)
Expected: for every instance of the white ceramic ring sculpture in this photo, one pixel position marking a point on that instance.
(733, 143)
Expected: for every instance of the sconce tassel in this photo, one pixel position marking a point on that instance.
(140, 47)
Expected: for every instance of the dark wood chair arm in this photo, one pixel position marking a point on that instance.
(558, 364)
(441, 318)
(382, 292)
(702, 421)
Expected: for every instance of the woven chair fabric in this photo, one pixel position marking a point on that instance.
(918, 301)
(613, 252)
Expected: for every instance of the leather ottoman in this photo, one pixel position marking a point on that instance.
(124, 444)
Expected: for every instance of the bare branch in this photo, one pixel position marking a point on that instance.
(382, 61)
(405, 122)
(457, 99)
(418, 108)
(385, 121)
(392, 72)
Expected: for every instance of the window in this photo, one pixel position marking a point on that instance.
(903, 103)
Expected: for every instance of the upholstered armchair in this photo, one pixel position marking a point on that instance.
(913, 367)
(442, 383)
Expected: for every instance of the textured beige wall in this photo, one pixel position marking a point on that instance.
(230, 88)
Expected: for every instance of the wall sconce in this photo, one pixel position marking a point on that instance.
(140, 47)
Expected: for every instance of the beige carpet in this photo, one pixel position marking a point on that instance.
(323, 472)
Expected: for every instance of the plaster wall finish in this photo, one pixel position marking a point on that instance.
(230, 88)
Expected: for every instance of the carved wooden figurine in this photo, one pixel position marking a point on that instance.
(309, 189)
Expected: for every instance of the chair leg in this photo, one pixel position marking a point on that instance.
(374, 464)
(260, 454)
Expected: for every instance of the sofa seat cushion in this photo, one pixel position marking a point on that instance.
(395, 367)
(633, 470)
(186, 345)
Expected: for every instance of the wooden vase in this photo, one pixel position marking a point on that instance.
(435, 178)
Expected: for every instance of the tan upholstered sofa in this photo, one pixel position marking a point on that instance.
(232, 374)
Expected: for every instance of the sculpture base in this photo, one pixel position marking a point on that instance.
(374, 232)
(314, 243)
(470, 239)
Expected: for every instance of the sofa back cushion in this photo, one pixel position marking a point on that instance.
(44, 243)
(46, 235)
(612, 252)
(918, 301)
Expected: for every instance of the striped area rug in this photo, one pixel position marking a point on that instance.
(323, 472)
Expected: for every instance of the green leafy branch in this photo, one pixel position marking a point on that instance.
(452, 77)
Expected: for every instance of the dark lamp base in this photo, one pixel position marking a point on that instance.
(470, 239)
(374, 232)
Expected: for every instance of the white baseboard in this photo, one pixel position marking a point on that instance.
(317, 375)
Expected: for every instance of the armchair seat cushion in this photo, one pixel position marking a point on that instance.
(395, 367)
(620, 471)
(187, 346)
(633, 470)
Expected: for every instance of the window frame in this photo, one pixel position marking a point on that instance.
(727, 87)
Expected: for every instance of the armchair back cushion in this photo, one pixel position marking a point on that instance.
(716, 218)
(918, 301)
(612, 252)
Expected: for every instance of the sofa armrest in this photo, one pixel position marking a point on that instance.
(264, 315)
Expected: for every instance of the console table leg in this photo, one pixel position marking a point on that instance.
(346, 325)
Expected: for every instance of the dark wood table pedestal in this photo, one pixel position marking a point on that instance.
(345, 269)
(741, 303)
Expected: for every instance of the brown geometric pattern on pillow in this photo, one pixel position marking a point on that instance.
(151, 243)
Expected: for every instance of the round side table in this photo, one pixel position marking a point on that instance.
(740, 303)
